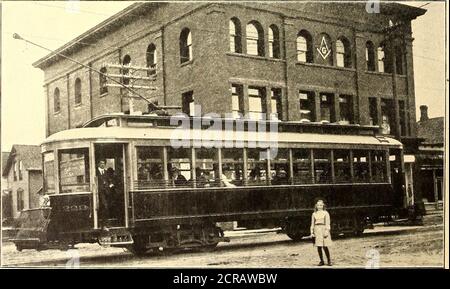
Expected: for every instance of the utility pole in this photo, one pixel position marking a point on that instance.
(129, 77)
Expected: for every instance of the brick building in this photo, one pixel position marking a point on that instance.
(23, 174)
(308, 62)
(429, 167)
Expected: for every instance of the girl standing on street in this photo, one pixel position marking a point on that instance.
(320, 231)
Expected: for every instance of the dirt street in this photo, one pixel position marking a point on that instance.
(383, 246)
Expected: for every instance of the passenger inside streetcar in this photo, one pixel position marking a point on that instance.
(281, 176)
(201, 178)
(227, 177)
(177, 179)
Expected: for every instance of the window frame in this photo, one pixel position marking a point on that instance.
(20, 170)
(310, 101)
(302, 165)
(185, 43)
(346, 100)
(343, 52)
(125, 72)
(308, 43)
(103, 88)
(384, 58)
(150, 181)
(235, 35)
(276, 95)
(77, 92)
(255, 38)
(49, 174)
(187, 100)
(20, 198)
(151, 59)
(370, 56)
(237, 95)
(327, 104)
(274, 42)
(87, 169)
(56, 101)
(262, 97)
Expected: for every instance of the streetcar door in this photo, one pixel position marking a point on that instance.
(398, 178)
(110, 179)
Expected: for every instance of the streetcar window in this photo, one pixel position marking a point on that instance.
(279, 167)
(179, 166)
(74, 170)
(232, 166)
(150, 167)
(301, 161)
(342, 166)
(378, 166)
(361, 166)
(206, 168)
(109, 123)
(257, 167)
(49, 173)
(322, 166)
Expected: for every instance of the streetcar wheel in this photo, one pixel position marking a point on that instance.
(138, 251)
(359, 232)
(138, 247)
(295, 236)
(208, 248)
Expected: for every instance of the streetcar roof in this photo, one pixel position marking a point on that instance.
(160, 133)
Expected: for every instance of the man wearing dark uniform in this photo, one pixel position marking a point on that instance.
(102, 180)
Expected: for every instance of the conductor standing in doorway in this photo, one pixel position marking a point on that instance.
(102, 191)
(320, 231)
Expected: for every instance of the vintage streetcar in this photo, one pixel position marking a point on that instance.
(120, 181)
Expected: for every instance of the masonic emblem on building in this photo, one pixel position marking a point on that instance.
(324, 50)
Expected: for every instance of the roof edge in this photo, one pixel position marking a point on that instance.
(42, 61)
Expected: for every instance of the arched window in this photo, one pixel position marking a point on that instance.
(274, 42)
(255, 39)
(77, 91)
(343, 53)
(370, 56)
(125, 71)
(384, 59)
(304, 47)
(102, 81)
(185, 45)
(235, 35)
(151, 59)
(56, 100)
